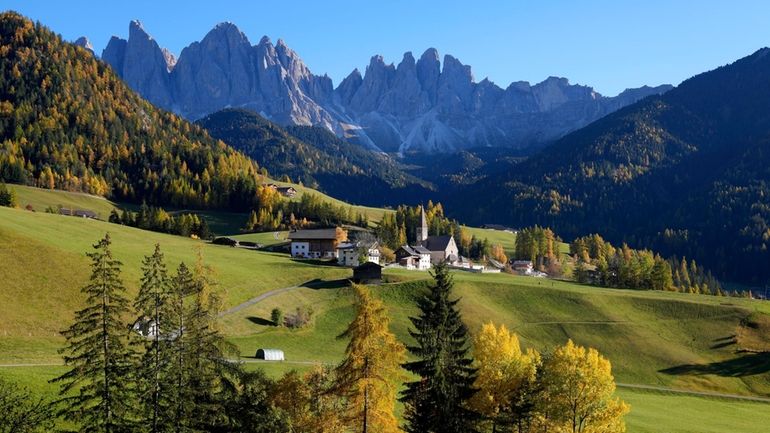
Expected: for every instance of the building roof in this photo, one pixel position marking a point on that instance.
(408, 250)
(317, 234)
(346, 246)
(78, 212)
(421, 250)
(437, 243)
(367, 266)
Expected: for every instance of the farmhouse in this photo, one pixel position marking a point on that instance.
(321, 243)
(368, 273)
(413, 257)
(349, 253)
(523, 266)
(287, 191)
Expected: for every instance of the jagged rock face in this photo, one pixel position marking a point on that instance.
(416, 106)
(83, 42)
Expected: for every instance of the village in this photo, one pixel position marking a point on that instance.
(358, 250)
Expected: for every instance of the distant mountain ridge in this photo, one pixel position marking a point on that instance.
(419, 105)
(686, 173)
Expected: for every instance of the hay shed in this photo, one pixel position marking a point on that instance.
(270, 354)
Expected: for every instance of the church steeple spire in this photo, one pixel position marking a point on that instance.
(422, 230)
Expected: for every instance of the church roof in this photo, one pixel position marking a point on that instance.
(437, 243)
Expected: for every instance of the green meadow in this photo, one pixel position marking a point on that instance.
(662, 339)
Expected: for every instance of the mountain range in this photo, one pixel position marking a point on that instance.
(686, 172)
(418, 105)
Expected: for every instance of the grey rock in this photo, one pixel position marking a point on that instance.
(415, 106)
(83, 42)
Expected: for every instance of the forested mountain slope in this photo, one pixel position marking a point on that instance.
(317, 158)
(686, 172)
(68, 122)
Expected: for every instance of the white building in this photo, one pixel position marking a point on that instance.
(349, 253)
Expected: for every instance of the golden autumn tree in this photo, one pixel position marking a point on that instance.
(308, 403)
(367, 376)
(577, 393)
(504, 375)
(498, 253)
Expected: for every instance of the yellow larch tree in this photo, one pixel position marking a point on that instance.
(503, 372)
(577, 393)
(368, 375)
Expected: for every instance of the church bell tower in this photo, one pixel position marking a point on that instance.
(422, 230)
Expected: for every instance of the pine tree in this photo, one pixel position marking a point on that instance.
(95, 391)
(7, 196)
(209, 370)
(372, 364)
(178, 393)
(153, 370)
(437, 401)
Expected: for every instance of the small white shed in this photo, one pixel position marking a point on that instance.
(270, 354)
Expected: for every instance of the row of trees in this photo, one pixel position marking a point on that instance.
(274, 213)
(638, 269)
(157, 219)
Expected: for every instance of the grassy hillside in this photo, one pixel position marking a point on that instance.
(655, 338)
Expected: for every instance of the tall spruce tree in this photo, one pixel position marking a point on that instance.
(154, 368)
(437, 401)
(96, 391)
(367, 375)
(208, 368)
(178, 392)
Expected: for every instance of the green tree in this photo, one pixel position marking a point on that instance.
(152, 307)
(209, 371)
(437, 401)
(248, 407)
(367, 375)
(7, 196)
(94, 392)
(277, 316)
(179, 393)
(21, 413)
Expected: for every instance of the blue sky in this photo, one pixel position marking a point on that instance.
(610, 45)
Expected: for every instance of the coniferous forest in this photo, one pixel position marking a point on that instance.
(67, 122)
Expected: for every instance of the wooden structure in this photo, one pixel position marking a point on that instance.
(368, 273)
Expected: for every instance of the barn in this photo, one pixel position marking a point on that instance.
(270, 354)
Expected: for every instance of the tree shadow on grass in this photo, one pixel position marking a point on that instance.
(260, 321)
(319, 284)
(745, 365)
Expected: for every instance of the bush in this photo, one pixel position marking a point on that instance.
(7, 196)
(277, 316)
(300, 318)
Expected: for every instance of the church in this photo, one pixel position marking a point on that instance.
(440, 248)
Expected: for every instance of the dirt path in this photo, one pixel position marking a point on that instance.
(268, 294)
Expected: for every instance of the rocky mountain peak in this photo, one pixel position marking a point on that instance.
(83, 42)
(425, 104)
